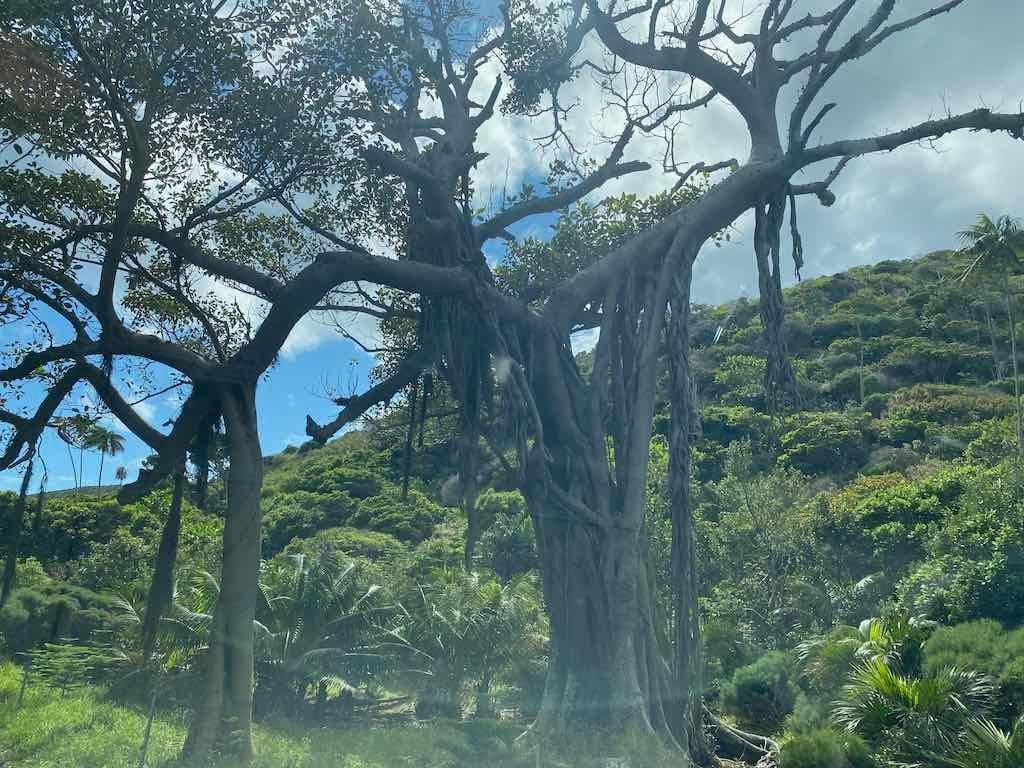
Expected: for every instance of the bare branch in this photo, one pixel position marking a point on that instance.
(384, 391)
(611, 169)
(976, 120)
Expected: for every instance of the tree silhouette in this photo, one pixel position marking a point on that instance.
(998, 250)
(107, 442)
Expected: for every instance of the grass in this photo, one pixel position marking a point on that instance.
(83, 729)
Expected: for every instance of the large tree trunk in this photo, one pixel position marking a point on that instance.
(607, 670)
(223, 715)
(687, 659)
(162, 586)
(14, 536)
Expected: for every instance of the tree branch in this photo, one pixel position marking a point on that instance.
(611, 169)
(976, 120)
(382, 392)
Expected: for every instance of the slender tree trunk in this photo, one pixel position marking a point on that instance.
(1016, 377)
(779, 378)
(688, 659)
(161, 588)
(860, 364)
(223, 715)
(18, 521)
(99, 479)
(996, 365)
(74, 469)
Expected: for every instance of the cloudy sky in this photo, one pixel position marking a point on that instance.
(889, 207)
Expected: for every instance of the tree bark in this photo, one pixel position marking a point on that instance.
(223, 715)
(687, 660)
(11, 564)
(996, 365)
(779, 379)
(1011, 317)
(607, 672)
(162, 586)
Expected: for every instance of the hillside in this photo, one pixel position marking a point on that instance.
(886, 494)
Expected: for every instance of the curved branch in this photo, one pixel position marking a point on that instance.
(28, 429)
(976, 120)
(34, 360)
(612, 169)
(118, 406)
(382, 392)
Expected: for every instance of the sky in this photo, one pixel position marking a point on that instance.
(895, 206)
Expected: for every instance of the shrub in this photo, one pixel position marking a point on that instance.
(53, 611)
(876, 403)
(944, 404)
(825, 442)
(411, 519)
(976, 564)
(824, 748)
(984, 646)
(761, 694)
(352, 542)
(915, 359)
(726, 423)
(820, 749)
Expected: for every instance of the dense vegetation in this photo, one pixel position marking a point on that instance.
(734, 533)
(861, 557)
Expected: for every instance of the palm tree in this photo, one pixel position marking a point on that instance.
(107, 442)
(121, 475)
(321, 626)
(999, 245)
(74, 430)
(906, 717)
(988, 746)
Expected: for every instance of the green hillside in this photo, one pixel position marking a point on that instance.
(887, 494)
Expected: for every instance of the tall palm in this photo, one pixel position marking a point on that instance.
(74, 431)
(121, 475)
(107, 442)
(998, 247)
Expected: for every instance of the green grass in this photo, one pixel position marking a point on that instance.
(81, 729)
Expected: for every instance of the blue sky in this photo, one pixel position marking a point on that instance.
(889, 207)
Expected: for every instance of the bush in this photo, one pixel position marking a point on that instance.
(824, 748)
(54, 611)
(726, 423)
(762, 694)
(976, 564)
(353, 542)
(876, 403)
(825, 442)
(411, 519)
(983, 646)
(941, 404)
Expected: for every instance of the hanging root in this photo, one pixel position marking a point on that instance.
(740, 743)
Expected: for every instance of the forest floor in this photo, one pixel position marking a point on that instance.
(82, 728)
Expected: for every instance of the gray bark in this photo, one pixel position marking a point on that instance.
(18, 522)
(161, 588)
(223, 713)
(688, 660)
